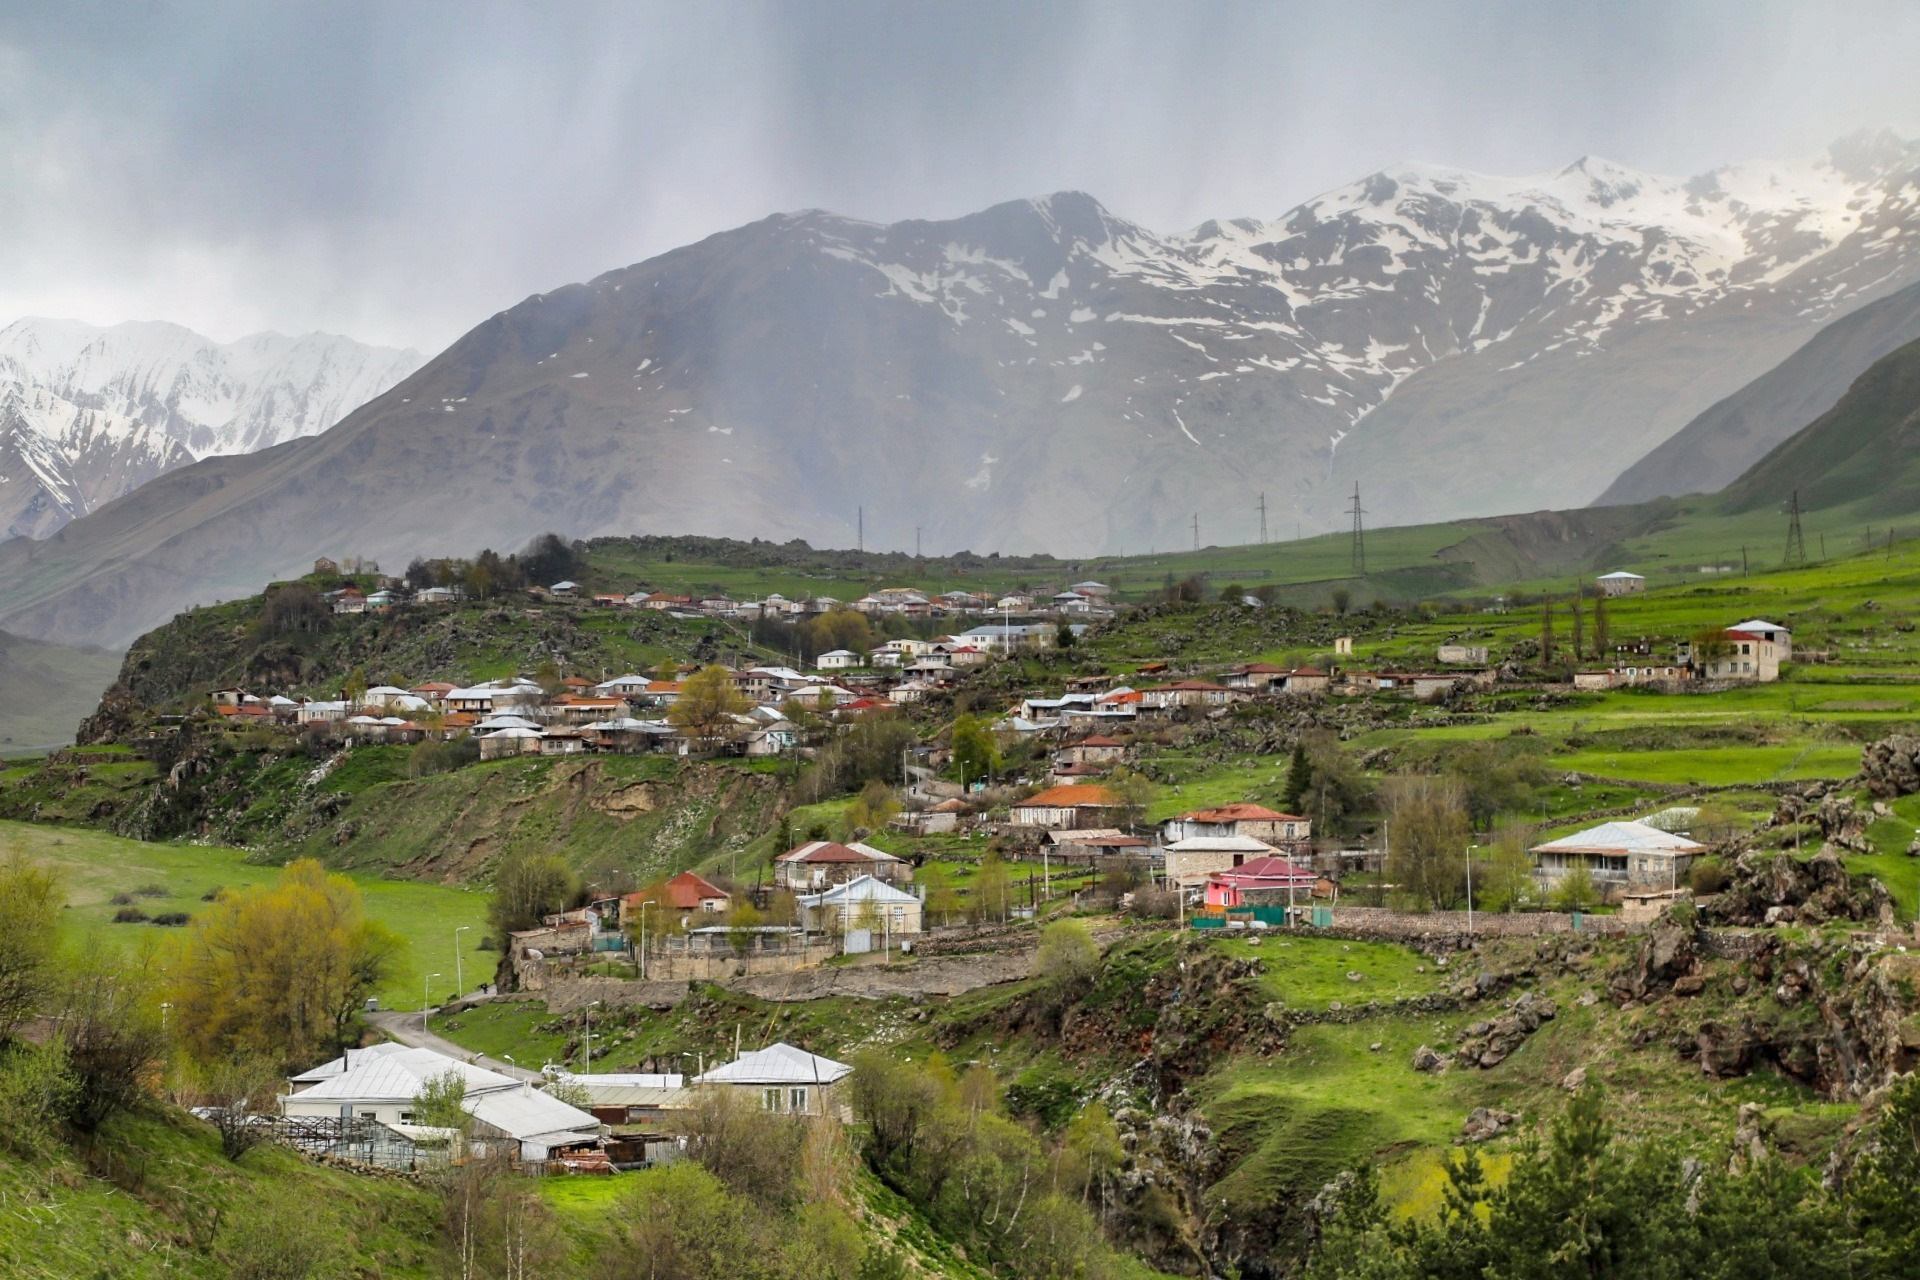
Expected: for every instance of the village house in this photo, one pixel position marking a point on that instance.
(1190, 861)
(838, 660)
(687, 895)
(1190, 693)
(1618, 856)
(819, 863)
(1264, 882)
(1621, 583)
(784, 1079)
(1069, 807)
(1257, 821)
(1469, 655)
(1754, 654)
(380, 1083)
(863, 904)
(1092, 751)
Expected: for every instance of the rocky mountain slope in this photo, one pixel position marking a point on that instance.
(1045, 374)
(1712, 450)
(88, 414)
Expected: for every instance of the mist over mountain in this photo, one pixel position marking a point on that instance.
(1047, 375)
(88, 414)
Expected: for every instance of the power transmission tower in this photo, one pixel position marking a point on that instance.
(1796, 544)
(1359, 535)
(1263, 519)
(1196, 531)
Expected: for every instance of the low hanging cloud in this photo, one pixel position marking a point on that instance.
(401, 172)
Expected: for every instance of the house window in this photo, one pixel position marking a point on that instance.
(796, 1099)
(769, 1099)
(406, 1117)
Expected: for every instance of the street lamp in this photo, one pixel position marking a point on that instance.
(699, 1061)
(458, 984)
(424, 985)
(589, 1063)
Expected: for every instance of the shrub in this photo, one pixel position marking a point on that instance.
(152, 891)
(121, 900)
(1708, 875)
(129, 915)
(172, 919)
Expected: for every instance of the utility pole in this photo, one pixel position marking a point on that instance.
(916, 542)
(861, 536)
(1196, 531)
(1359, 535)
(1743, 560)
(1796, 544)
(1263, 518)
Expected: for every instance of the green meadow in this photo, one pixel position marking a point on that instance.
(97, 867)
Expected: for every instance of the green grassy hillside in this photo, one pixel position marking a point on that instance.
(153, 1197)
(47, 689)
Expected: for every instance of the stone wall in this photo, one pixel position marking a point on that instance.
(1384, 924)
(932, 976)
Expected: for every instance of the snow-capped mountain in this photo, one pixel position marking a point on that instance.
(89, 413)
(1045, 375)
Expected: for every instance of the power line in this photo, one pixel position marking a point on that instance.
(1359, 535)
(1796, 544)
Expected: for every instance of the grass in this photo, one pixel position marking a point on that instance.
(1718, 766)
(96, 866)
(1308, 972)
(157, 1198)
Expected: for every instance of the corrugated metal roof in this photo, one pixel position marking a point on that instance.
(777, 1064)
(328, 1070)
(1621, 837)
(397, 1075)
(526, 1113)
(859, 889)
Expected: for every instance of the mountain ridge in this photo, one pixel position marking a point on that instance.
(1045, 373)
(88, 413)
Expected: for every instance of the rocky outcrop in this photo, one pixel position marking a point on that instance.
(1667, 954)
(1777, 888)
(1489, 1043)
(1486, 1122)
(1891, 767)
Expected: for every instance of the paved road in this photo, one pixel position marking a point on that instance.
(409, 1029)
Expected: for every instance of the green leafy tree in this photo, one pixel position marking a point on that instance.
(874, 807)
(1299, 778)
(974, 755)
(441, 1102)
(707, 705)
(30, 902)
(1575, 890)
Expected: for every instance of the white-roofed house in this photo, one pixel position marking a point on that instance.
(1621, 583)
(784, 1079)
(860, 909)
(1618, 856)
(837, 660)
(380, 1084)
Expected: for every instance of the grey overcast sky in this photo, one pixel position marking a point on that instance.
(399, 172)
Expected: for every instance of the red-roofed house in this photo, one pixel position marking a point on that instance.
(1257, 821)
(1069, 808)
(686, 893)
(819, 863)
(1261, 882)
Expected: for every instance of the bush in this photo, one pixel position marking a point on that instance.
(1708, 875)
(153, 891)
(121, 900)
(129, 915)
(172, 919)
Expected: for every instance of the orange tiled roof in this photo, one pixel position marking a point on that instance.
(1241, 813)
(1079, 793)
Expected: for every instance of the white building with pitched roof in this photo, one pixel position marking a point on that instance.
(784, 1079)
(380, 1083)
